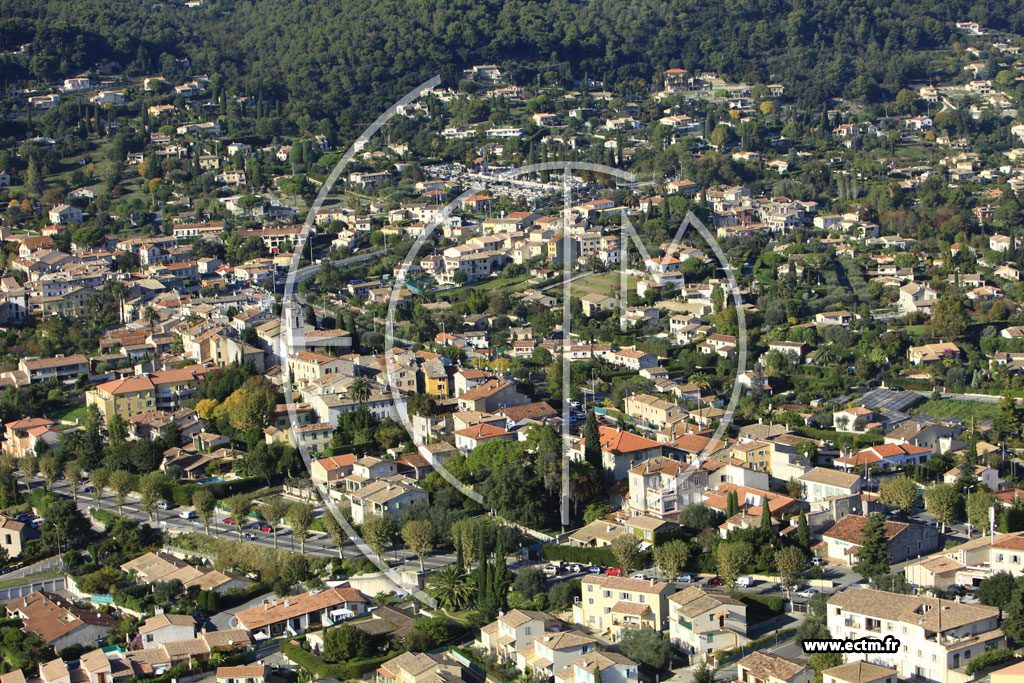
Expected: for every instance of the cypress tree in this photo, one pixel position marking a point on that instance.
(803, 533)
(487, 603)
(502, 578)
(354, 332)
(483, 574)
(766, 517)
(592, 442)
(731, 504)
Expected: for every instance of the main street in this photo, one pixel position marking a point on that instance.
(317, 544)
(308, 271)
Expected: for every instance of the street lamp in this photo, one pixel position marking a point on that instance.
(970, 527)
(60, 558)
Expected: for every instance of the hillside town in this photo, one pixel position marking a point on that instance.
(585, 384)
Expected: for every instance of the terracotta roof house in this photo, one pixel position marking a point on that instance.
(620, 450)
(769, 668)
(58, 621)
(297, 613)
(886, 456)
(906, 540)
(702, 620)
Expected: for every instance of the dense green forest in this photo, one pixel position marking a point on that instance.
(341, 61)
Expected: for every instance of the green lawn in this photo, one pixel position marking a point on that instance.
(964, 410)
(72, 414)
(52, 574)
(602, 283)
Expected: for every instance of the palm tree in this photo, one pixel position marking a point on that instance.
(115, 289)
(151, 318)
(702, 381)
(451, 587)
(825, 356)
(583, 483)
(360, 390)
(94, 304)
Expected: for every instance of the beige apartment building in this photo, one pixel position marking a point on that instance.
(610, 603)
(937, 637)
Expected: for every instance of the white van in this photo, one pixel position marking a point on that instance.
(188, 514)
(745, 581)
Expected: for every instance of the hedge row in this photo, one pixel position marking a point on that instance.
(599, 556)
(240, 596)
(987, 660)
(725, 656)
(347, 671)
(773, 603)
(181, 494)
(857, 440)
(105, 517)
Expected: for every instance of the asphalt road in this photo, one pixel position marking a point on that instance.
(308, 272)
(318, 544)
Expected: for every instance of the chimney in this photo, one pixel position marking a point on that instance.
(286, 603)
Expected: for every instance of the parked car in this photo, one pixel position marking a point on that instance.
(594, 569)
(550, 570)
(249, 537)
(641, 576)
(809, 593)
(228, 520)
(685, 578)
(716, 581)
(265, 528)
(574, 568)
(163, 505)
(613, 571)
(817, 561)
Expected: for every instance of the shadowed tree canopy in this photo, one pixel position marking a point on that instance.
(369, 52)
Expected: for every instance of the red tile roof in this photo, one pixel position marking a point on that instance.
(620, 441)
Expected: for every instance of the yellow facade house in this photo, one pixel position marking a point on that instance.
(610, 603)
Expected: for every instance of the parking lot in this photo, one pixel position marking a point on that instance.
(841, 577)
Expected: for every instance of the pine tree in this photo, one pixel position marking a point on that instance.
(803, 533)
(873, 558)
(1013, 619)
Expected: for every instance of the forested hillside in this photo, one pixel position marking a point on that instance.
(342, 60)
